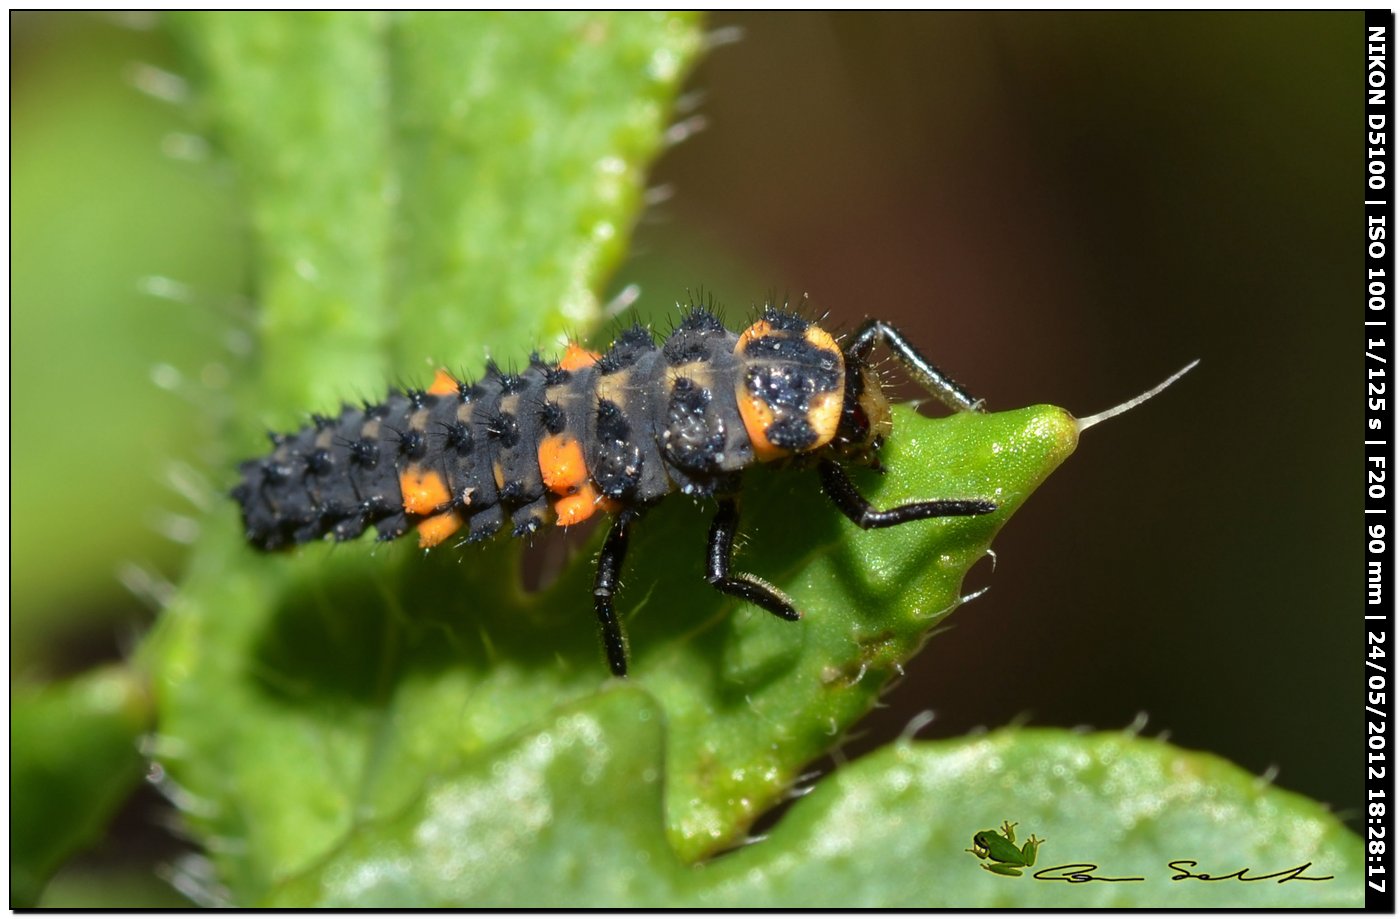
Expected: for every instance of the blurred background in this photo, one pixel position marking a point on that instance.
(1057, 207)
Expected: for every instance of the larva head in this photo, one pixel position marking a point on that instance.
(865, 417)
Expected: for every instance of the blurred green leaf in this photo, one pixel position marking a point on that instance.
(103, 221)
(74, 759)
(87, 887)
(570, 816)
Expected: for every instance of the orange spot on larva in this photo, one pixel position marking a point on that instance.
(582, 504)
(575, 508)
(443, 384)
(436, 529)
(561, 464)
(758, 417)
(423, 490)
(577, 357)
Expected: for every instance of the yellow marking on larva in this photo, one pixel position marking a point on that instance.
(821, 338)
(824, 415)
(562, 467)
(499, 475)
(576, 357)
(697, 372)
(824, 409)
(757, 330)
(423, 490)
(435, 529)
(443, 384)
(614, 387)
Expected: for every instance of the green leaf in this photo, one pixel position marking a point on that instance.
(75, 759)
(570, 816)
(892, 830)
(312, 695)
(98, 211)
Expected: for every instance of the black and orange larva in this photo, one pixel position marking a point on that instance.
(615, 432)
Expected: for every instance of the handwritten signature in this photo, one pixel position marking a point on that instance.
(1083, 873)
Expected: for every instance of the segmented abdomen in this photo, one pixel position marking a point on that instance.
(559, 441)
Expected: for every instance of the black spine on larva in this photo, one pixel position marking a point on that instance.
(337, 477)
(479, 466)
(329, 478)
(701, 432)
(624, 458)
(521, 419)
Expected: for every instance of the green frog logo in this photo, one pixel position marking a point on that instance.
(999, 850)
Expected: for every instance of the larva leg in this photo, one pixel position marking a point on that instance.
(744, 586)
(842, 492)
(605, 585)
(920, 368)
